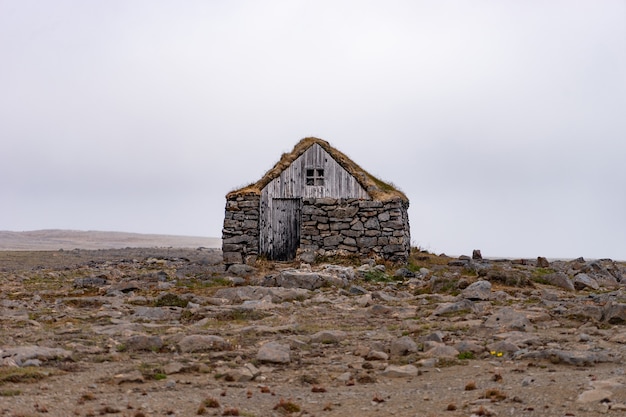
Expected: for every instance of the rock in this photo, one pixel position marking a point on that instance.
(376, 355)
(342, 272)
(402, 346)
(202, 343)
(542, 262)
(329, 336)
(241, 270)
(125, 287)
(236, 281)
(395, 371)
(307, 256)
(243, 374)
(576, 358)
(90, 282)
(428, 362)
(143, 342)
(357, 290)
(381, 310)
(584, 312)
(21, 354)
(404, 273)
(508, 319)
(594, 395)
(384, 296)
(611, 384)
(479, 290)
(173, 368)
(618, 338)
(582, 281)
(275, 295)
(274, 352)
(507, 276)
(476, 255)
(615, 313)
(300, 279)
(520, 338)
(157, 313)
(442, 351)
(134, 376)
(345, 377)
(469, 346)
(463, 306)
(559, 279)
(433, 337)
(293, 278)
(503, 346)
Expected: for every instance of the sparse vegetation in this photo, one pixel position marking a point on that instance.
(170, 300)
(466, 355)
(494, 395)
(287, 406)
(27, 374)
(376, 275)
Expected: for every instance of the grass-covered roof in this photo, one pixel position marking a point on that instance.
(377, 189)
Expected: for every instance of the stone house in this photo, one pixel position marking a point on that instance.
(316, 202)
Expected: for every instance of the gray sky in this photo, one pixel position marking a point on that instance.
(502, 121)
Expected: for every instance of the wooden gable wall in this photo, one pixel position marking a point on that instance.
(291, 184)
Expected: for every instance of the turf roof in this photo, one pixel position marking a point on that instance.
(377, 189)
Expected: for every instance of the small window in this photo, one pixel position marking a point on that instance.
(315, 176)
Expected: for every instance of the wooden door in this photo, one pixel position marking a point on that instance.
(285, 229)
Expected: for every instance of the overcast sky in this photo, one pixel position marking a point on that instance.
(504, 122)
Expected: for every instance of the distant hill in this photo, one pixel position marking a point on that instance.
(76, 239)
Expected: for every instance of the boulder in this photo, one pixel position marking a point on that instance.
(141, 342)
(329, 336)
(240, 269)
(542, 262)
(479, 290)
(508, 319)
(274, 352)
(615, 313)
(594, 396)
(582, 281)
(459, 307)
(559, 279)
(395, 371)
(19, 355)
(403, 346)
(202, 343)
(570, 357)
(441, 351)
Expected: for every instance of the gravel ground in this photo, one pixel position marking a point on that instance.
(109, 332)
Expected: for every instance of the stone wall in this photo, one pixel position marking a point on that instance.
(365, 228)
(329, 227)
(240, 235)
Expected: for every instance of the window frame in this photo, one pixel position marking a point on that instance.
(314, 177)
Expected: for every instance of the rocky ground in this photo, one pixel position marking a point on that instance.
(152, 332)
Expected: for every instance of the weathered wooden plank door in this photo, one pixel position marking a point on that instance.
(285, 233)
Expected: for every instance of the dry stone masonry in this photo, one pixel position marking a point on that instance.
(365, 228)
(240, 235)
(355, 227)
